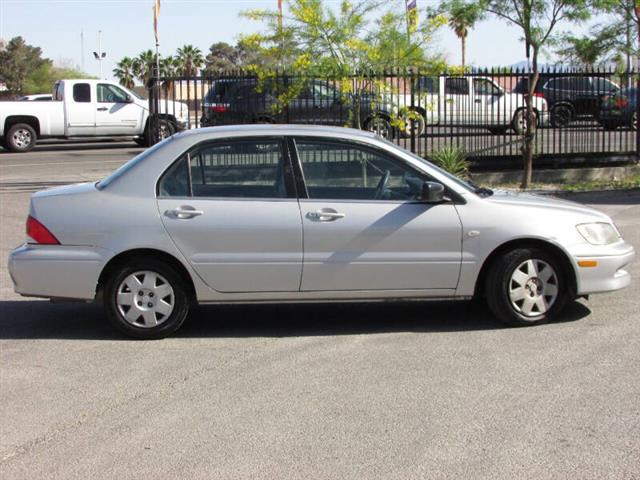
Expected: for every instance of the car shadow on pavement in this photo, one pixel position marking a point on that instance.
(80, 321)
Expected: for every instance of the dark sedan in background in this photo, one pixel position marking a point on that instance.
(619, 110)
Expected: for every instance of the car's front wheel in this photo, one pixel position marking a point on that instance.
(526, 286)
(146, 299)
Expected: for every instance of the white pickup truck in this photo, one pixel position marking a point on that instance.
(468, 101)
(85, 108)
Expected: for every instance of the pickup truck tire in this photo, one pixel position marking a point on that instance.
(519, 123)
(165, 130)
(20, 138)
(415, 126)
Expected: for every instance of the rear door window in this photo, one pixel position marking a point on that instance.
(456, 86)
(82, 93)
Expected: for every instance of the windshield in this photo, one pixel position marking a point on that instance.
(104, 183)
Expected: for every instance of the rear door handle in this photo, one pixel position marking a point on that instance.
(184, 212)
(325, 215)
(103, 109)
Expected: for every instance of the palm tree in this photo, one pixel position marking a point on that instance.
(143, 66)
(462, 17)
(190, 59)
(125, 72)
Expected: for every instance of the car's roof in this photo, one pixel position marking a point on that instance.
(276, 129)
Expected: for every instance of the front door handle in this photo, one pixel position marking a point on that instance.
(103, 109)
(325, 215)
(183, 212)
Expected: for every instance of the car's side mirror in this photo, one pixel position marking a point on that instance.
(432, 192)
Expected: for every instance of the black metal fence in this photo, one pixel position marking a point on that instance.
(581, 115)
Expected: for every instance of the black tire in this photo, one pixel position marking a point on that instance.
(499, 282)
(561, 116)
(20, 138)
(633, 124)
(498, 130)
(142, 141)
(379, 125)
(181, 297)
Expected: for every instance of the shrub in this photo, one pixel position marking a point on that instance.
(453, 160)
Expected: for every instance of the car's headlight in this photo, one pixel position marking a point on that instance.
(599, 233)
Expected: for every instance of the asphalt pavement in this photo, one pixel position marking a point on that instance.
(329, 391)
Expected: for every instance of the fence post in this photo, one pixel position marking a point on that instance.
(637, 114)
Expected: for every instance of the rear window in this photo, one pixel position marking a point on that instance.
(82, 93)
(104, 183)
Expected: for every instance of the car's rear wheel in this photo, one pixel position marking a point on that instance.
(379, 125)
(414, 125)
(526, 286)
(561, 116)
(146, 299)
(20, 138)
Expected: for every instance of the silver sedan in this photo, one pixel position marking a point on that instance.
(273, 213)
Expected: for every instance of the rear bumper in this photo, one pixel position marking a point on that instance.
(610, 273)
(55, 271)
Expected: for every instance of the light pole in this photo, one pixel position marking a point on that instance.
(100, 55)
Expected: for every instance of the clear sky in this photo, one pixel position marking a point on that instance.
(55, 26)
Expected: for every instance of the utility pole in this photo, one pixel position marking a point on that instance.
(82, 50)
(100, 55)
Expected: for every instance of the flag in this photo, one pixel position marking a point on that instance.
(156, 15)
(412, 15)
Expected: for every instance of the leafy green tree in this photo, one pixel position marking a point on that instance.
(17, 61)
(316, 40)
(190, 59)
(538, 21)
(125, 72)
(587, 51)
(462, 17)
(223, 57)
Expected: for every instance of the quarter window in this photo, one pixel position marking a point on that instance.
(456, 86)
(241, 169)
(82, 93)
(343, 171)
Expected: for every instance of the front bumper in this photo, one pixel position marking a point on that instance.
(610, 272)
(57, 271)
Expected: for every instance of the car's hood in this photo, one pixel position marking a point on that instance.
(519, 199)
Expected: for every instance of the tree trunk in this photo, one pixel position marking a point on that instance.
(463, 40)
(531, 123)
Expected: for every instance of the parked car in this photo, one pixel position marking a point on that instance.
(39, 97)
(242, 100)
(619, 109)
(467, 101)
(282, 213)
(85, 108)
(569, 96)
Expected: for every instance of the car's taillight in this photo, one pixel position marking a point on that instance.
(621, 102)
(538, 94)
(219, 108)
(39, 233)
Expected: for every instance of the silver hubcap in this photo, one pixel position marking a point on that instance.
(533, 288)
(22, 138)
(163, 131)
(145, 299)
(380, 127)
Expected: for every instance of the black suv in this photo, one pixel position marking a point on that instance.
(240, 100)
(569, 96)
